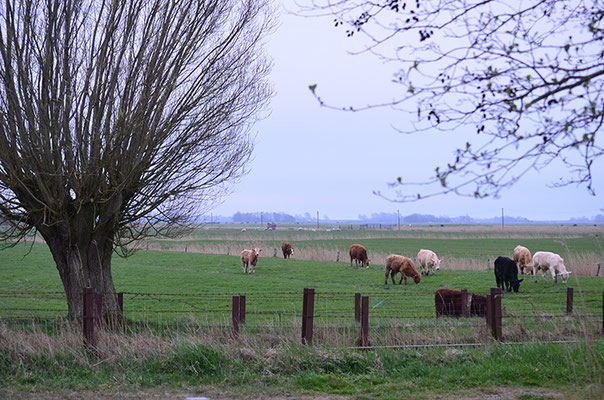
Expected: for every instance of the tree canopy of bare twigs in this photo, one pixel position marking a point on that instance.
(120, 119)
(526, 77)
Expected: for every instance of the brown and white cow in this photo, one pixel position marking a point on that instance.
(427, 260)
(522, 257)
(358, 253)
(404, 265)
(287, 249)
(249, 258)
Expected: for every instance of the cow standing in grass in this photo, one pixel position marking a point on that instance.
(287, 249)
(428, 261)
(522, 257)
(506, 273)
(358, 253)
(249, 258)
(404, 265)
(547, 261)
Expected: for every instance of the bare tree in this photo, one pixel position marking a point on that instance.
(119, 119)
(525, 76)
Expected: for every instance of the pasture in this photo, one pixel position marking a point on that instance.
(177, 302)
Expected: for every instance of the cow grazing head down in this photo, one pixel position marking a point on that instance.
(545, 261)
(506, 274)
(358, 253)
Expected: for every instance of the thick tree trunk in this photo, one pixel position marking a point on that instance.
(86, 263)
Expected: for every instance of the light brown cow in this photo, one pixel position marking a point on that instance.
(427, 260)
(249, 258)
(287, 249)
(404, 265)
(522, 257)
(358, 253)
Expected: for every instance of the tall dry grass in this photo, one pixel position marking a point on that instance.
(581, 264)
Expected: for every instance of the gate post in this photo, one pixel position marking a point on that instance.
(88, 317)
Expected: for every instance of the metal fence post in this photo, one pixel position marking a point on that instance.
(235, 316)
(569, 301)
(357, 307)
(365, 321)
(308, 308)
(88, 317)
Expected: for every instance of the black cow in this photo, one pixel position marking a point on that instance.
(506, 273)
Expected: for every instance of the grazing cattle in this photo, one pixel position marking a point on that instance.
(358, 253)
(544, 261)
(506, 273)
(522, 257)
(448, 302)
(427, 260)
(249, 258)
(404, 265)
(287, 249)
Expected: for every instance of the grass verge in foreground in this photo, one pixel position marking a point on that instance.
(251, 369)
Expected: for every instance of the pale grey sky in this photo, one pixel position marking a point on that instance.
(308, 158)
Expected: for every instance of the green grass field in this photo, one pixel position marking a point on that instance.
(178, 305)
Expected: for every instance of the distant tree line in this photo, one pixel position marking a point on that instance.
(383, 217)
(261, 217)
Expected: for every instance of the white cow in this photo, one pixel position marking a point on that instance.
(546, 260)
(427, 260)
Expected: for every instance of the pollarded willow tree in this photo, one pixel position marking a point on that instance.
(527, 77)
(119, 118)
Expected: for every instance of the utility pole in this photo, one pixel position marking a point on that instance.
(501, 217)
(398, 216)
(317, 220)
(261, 222)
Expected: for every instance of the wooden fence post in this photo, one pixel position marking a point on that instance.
(465, 311)
(496, 314)
(357, 307)
(98, 315)
(489, 311)
(308, 308)
(235, 316)
(120, 301)
(569, 301)
(88, 317)
(242, 309)
(365, 321)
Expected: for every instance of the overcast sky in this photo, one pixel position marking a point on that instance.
(308, 158)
